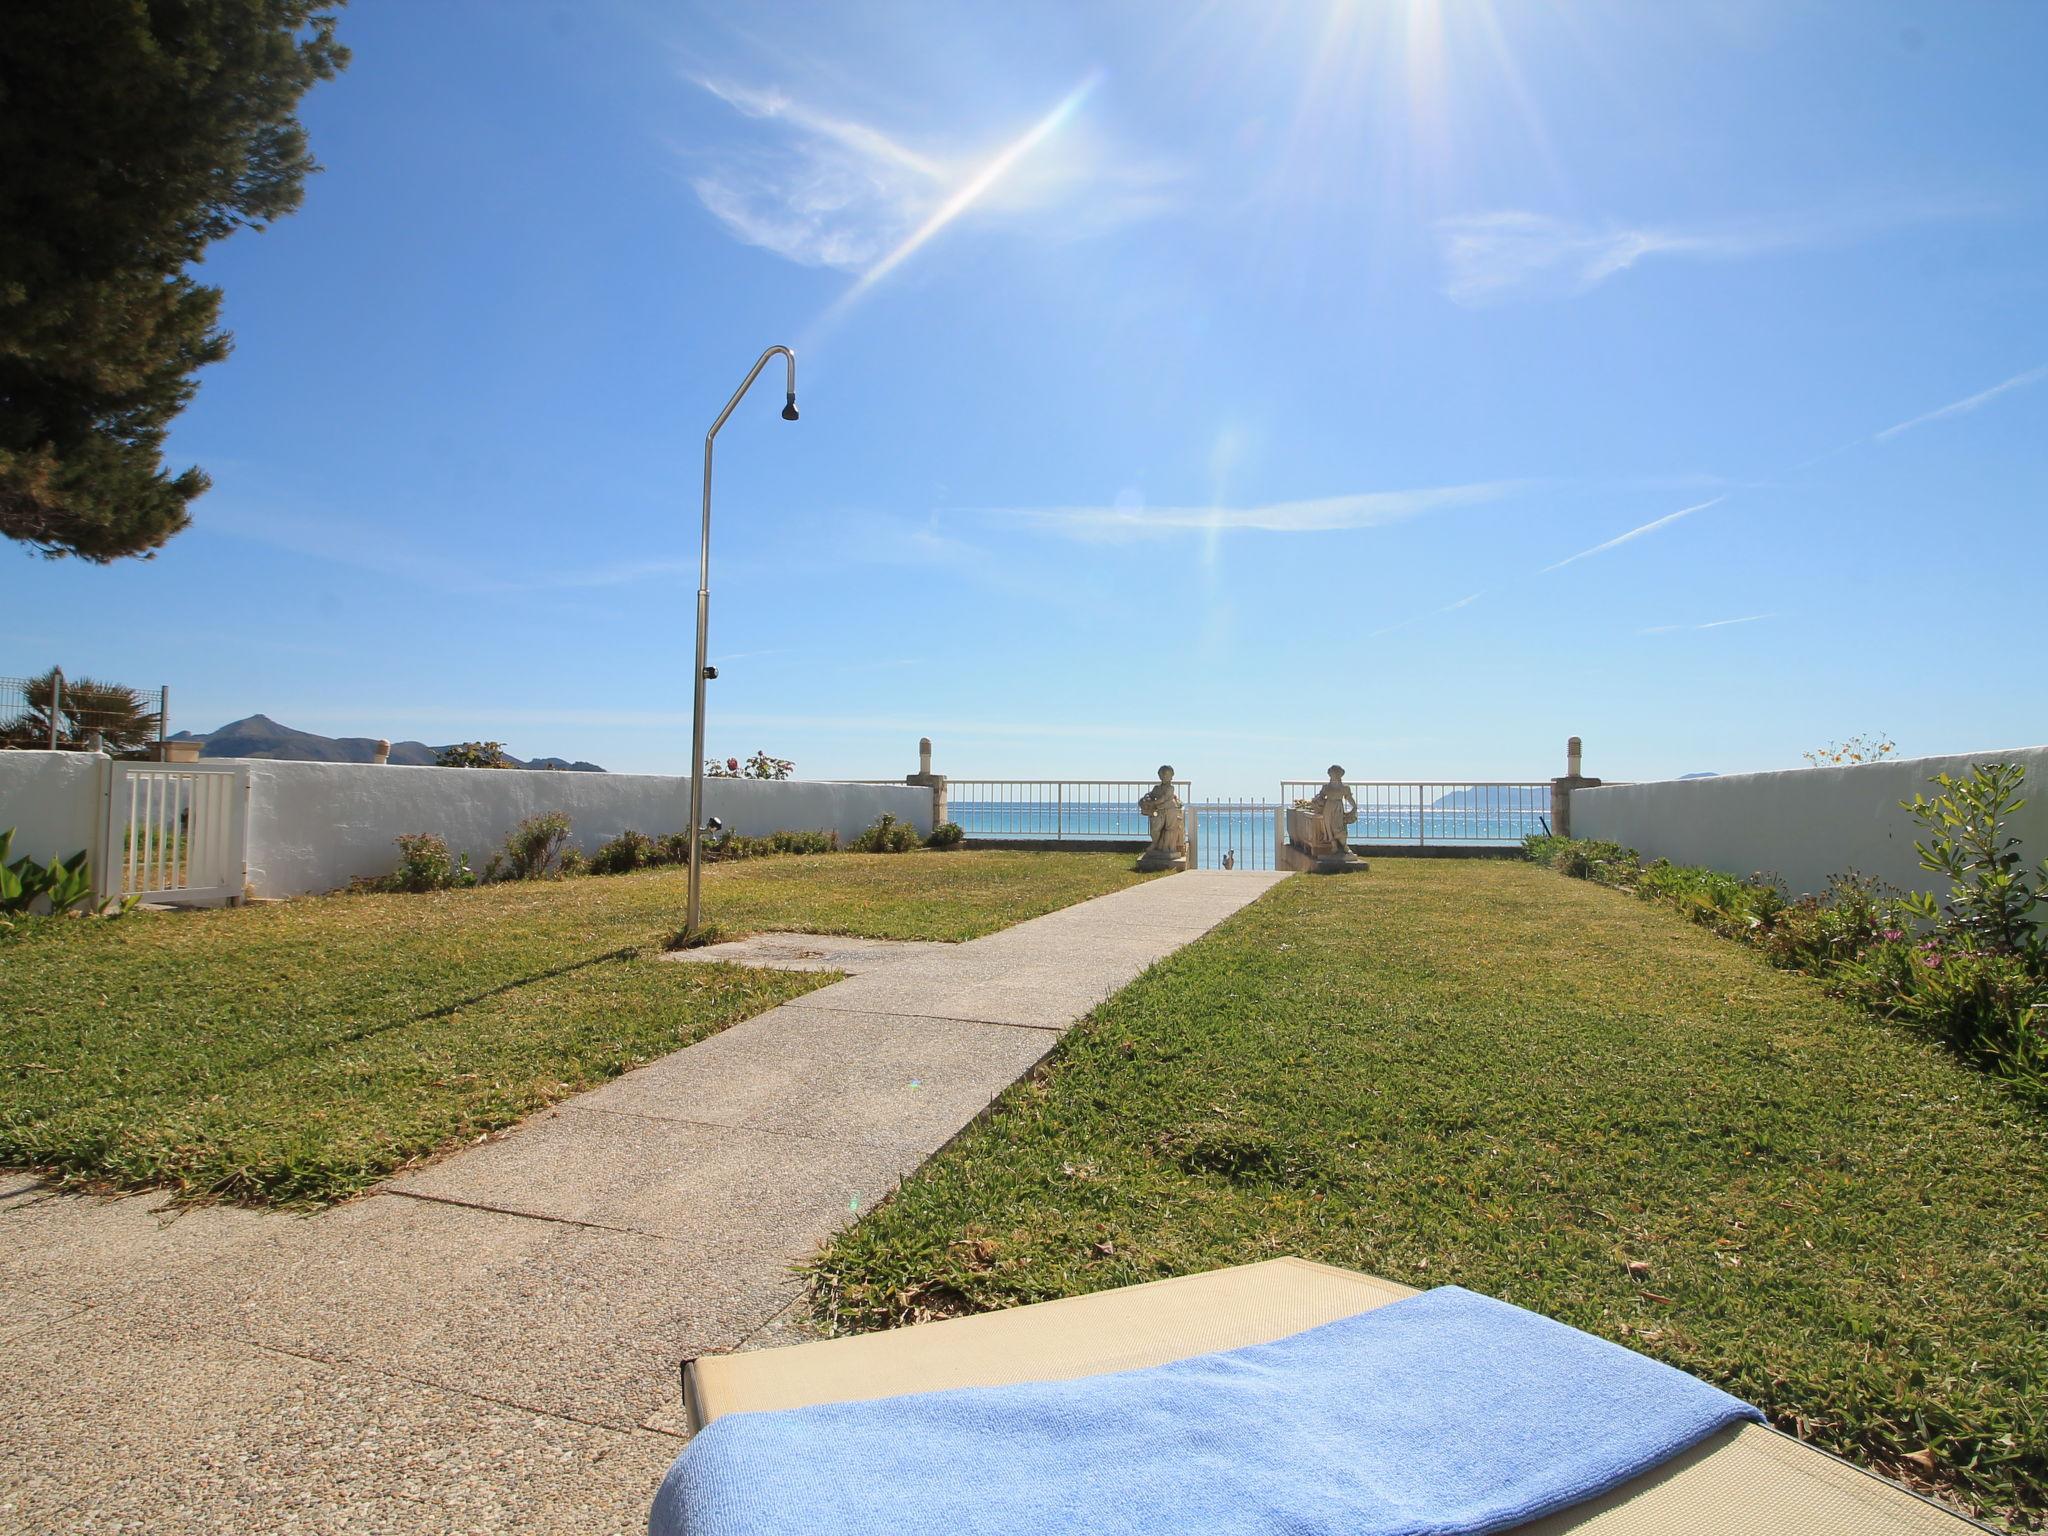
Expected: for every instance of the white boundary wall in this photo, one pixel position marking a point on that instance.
(316, 826)
(52, 800)
(1805, 824)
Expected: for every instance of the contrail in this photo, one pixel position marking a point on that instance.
(1633, 533)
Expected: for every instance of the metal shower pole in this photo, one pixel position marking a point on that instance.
(704, 672)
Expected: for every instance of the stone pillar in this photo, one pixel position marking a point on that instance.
(924, 778)
(381, 753)
(1561, 789)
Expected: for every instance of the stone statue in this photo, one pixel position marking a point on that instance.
(1319, 830)
(1335, 808)
(1168, 821)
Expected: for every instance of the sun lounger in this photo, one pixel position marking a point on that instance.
(1743, 1479)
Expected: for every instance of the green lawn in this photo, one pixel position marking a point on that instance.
(1482, 1073)
(299, 1052)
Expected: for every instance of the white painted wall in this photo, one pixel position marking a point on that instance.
(316, 826)
(52, 800)
(1802, 825)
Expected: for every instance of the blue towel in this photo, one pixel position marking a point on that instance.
(1445, 1413)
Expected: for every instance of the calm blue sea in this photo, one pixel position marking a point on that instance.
(1248, 830)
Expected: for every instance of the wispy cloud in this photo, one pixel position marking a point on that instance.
(1361, 509)
(1632, 535)
(1667, 629)
(1513, 253)
(1966, 405)
(1463, 602)
(827, 190)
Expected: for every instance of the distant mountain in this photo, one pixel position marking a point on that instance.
(261, 736)
(1699, 775)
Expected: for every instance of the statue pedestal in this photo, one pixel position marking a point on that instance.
(1307, 862)
(1158, 858)
(1302, 850)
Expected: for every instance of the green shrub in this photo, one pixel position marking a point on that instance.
(572, 863)
(636, 850)
(1990, 1008)
(424, 864)
(625, 853)
(1583, 858)
(1971, 972)
(64, 884)
(1992, 896)
(737, 845)
(947, 834)
(533, 850)
(887, 835)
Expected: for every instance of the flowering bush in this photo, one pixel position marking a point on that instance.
(424, 864)
(759, 766)
(1857, 749)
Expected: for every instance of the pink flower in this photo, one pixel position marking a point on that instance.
(1894, 934)
(1930, 960)
(733, 763)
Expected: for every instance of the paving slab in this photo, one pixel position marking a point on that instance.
(491, 1344)
(741, 1196)
(1049, 972)
(20, 1188)
(568, 1320)
(809, 952)
(879, 1079)
(193, 1434)
(90, 1249)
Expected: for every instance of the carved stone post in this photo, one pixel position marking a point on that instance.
(1561, 789)
(924, 778)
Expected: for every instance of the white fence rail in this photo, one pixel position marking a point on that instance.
(177, 834)
(1447, 812)
(1053, 810)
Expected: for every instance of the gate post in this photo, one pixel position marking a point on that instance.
(924, 778)
(1561, 789)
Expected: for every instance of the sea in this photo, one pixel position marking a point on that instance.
(1245, 832)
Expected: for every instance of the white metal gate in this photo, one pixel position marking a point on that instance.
(175, 834)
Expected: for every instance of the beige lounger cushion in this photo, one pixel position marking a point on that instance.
(1748, 1481)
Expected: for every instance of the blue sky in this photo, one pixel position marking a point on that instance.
(1397, 383)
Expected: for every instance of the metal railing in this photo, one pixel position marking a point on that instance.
(53, 713)
(1234, 834)
(1446, 812)
(1052, 810)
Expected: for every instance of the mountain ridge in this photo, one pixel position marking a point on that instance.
(259, 736)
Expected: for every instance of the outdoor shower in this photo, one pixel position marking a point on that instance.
(704, 671)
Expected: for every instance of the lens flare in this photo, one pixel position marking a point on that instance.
(971, 191)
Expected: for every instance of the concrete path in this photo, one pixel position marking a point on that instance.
(491, 1343)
